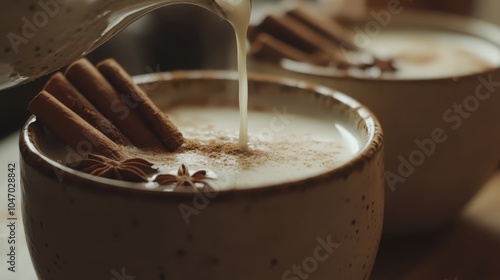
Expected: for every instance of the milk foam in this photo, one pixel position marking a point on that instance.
(283, 148)
(417, 54)
(421, 54)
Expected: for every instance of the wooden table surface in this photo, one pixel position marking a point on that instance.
(467, 250)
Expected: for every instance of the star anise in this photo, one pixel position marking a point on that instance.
(184, 180)
(132, 169)
(385, 65)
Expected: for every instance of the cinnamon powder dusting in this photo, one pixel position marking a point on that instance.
(224, 151)
(216, 149)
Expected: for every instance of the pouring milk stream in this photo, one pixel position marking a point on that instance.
(38, 37)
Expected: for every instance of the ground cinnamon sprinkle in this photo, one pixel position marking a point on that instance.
(221, 150)
(225, 152)
(216, 149)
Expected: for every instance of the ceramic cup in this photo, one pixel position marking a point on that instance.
(437, 157)
(328, 226)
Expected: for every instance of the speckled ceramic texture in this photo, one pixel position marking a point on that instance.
(39, 37)
(439, 187)
(82, 227)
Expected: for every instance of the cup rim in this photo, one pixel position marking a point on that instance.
(33, 156)
(444, 21)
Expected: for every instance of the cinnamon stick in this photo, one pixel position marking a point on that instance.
(70, 128)
(169, 135)
(269, 48)
(305, 33)
(276, 27)
(324, 26)
(59, 87)
(295, 33)
(121, 111)
(334, 31)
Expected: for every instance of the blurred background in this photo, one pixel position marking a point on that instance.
(169, 39)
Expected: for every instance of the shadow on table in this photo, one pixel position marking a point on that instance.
(463, 251)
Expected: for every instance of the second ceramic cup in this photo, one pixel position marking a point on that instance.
(442, 134)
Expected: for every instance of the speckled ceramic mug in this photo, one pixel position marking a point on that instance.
(328, 226)
(441, 133)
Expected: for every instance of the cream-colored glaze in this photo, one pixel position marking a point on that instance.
(81, 227)
(411, 111)
(39, 37)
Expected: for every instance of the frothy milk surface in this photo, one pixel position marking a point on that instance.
(421, 54)
(282, 147)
